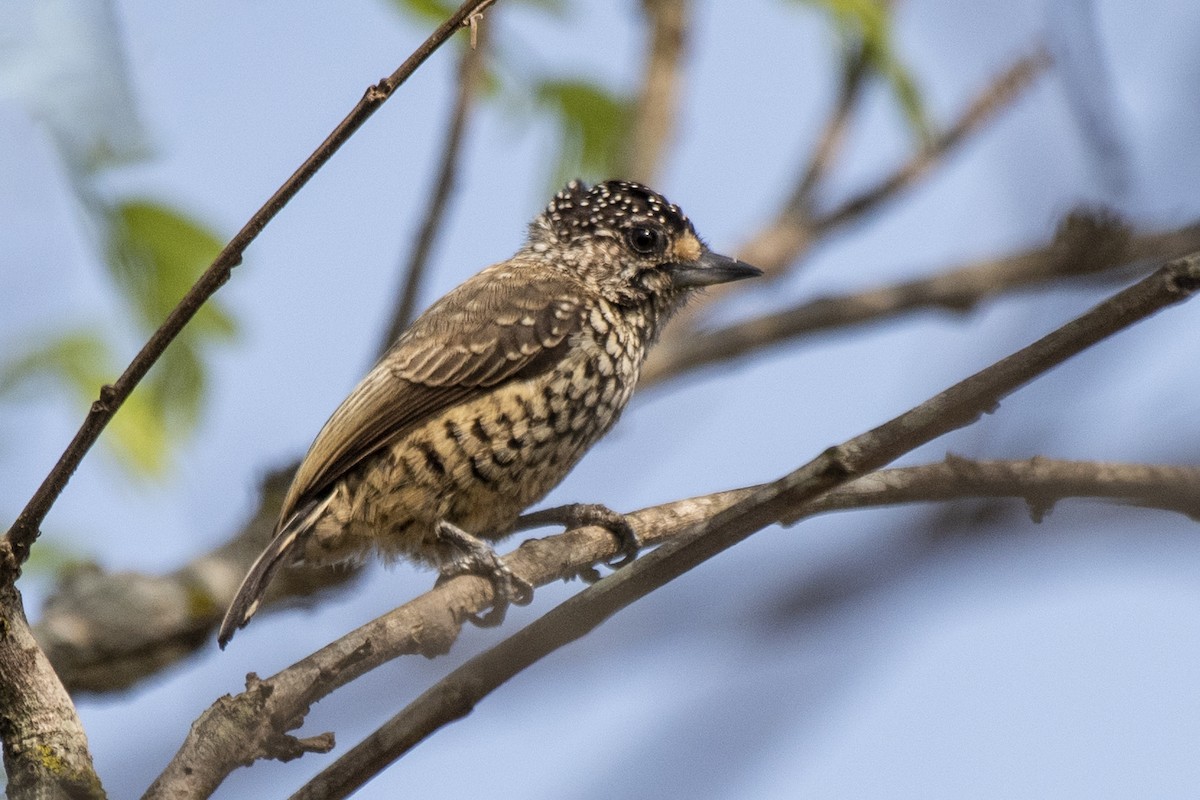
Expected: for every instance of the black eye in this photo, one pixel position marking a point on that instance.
(645, 241)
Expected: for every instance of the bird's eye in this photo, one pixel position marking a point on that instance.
(644, 241)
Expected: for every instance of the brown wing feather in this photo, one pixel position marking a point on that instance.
(492, 329)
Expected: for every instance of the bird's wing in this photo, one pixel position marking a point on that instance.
(496, 327)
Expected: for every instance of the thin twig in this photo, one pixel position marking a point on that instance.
(794, 230)
(833, 134)
(655, 113)
(456, 695)
(470, 70)
(26, 528)
(254, 724)
(999, 95)
(1108, 248)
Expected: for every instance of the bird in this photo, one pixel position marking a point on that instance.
(493, 394)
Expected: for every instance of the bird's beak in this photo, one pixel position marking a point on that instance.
(711, 268)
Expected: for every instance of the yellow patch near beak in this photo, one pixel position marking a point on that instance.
(687, 248)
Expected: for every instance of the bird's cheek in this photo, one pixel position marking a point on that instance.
(652, 280)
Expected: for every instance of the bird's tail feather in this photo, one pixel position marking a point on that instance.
(282, 550)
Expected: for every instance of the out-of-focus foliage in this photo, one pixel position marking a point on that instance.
(63, 63)
(154, 254)
(868, 25)
(433, 11)
(592, 122)
(436, 11)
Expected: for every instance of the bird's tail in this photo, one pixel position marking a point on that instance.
(282, 550)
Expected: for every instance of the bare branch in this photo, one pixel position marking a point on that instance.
(1085, 246)
(793, 231)
(470, 70)
(657, 103)
(1040, 482)
(26, 528)
(45, 749)
(999, 95)
(240, 730)
(854, 70)
(106, 631)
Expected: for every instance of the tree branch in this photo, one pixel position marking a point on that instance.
(999, 95)
(106, 631)
(657, 103)
(45, 748)
(777, 246)
(829, 144)
(1040, 482)
(25, 529)
(470, 71)
(242, 729)
(1086, 245)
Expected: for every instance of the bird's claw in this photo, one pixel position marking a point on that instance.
(476, 558)
(577, 515)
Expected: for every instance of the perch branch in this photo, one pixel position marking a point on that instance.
(239, 730)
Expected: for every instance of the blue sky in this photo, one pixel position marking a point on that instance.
(1030, 661)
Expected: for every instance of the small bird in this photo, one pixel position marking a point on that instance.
(488, 400)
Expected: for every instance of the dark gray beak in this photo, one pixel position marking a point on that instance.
(711, 269)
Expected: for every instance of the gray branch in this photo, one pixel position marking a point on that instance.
(255, 724)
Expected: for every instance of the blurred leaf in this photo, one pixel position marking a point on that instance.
(435, 11)
(78, 359)
(140, 432)
(50, 558)
(438, 11)
(868, 24)
(593, 123)
(156, 253)
(81, 361)
(176, 387)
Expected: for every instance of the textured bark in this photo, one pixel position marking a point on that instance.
(45, 749)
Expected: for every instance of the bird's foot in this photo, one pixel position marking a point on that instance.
(473, 556)
(577, 515)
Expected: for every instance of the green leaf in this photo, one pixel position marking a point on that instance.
(81, 362)
(156, 253)
(438, 11)
(140, 433)
(435, 11)
(78, 359)
(50, 558)
(593, 123)
(868, 24)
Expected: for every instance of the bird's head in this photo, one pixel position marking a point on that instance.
(629, 243)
